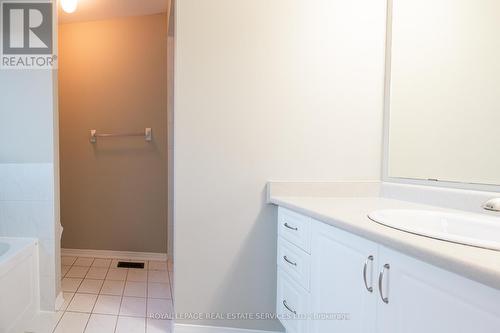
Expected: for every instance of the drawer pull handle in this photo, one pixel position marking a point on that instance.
(380, 280)
(289, 308)
(370, 258)
(288, 261)
(290, 227)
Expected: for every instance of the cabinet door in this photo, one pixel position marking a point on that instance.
(424, 298)
(338, 290)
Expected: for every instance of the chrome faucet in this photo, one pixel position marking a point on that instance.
(492, 204)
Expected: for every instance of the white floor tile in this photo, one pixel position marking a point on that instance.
(157, 266)
(97, 273)
(81, 261)
(67, 260)
(82, 303)
(119, 274)
(70, 284)
(65, 269)
(111, 287)
(131, 325)
(99, 323)
(77, 272)
(107, 305)
(67, 299)
(137, 275)
(158, 276)
(90, 286)
(159, 290)
(133, 306)
(136, 289)
(44, 322)
(72, 322)
(112, 313)
(98, 262)
(159, 308)
(158, 326)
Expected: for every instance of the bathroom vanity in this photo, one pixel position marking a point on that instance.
(339, 271)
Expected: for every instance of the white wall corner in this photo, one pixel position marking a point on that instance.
(59, 301)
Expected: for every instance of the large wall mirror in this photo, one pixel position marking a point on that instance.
(443, 102)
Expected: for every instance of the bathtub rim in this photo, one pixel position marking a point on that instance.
(20, 248)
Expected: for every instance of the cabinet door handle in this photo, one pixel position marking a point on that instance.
(370, 258)
(289, 261)
(290, 227)
(289, 308)
(380, 280)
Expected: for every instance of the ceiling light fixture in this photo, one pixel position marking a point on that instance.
(69, 6)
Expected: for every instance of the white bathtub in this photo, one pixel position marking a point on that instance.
(19, 286)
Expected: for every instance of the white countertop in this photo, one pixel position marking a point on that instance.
(350, 214)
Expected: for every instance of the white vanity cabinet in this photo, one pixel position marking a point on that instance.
(294, 262)
(342, 281)
(425, 298)
(364, 287)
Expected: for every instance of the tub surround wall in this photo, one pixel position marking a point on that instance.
(27, 209)
(26, 116)
(28, 192)
(19, 284)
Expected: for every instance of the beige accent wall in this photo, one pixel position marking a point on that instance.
(113, 78)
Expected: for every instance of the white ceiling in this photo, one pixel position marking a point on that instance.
(92, 10)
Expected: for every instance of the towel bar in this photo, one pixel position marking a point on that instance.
(147, 134)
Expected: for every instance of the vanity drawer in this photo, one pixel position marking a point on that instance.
(295, 262)
(295, 228)
(291, 304)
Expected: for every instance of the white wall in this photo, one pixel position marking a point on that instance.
(289, 90)
(170, 139)
(29, 204)
(26, 118)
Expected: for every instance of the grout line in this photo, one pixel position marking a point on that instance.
(171, 290)
(65, 310)
(146, 264)
(93, 307)
(121, 301)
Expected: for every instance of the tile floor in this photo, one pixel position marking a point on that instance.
(102, 298)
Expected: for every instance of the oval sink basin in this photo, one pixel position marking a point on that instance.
(469, 229)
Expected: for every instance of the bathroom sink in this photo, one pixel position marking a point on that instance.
(469, 229)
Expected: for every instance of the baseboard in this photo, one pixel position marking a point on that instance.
(114, 254)
(181, 328)
(59, 301)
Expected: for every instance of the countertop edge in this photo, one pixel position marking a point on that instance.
(425, 254)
